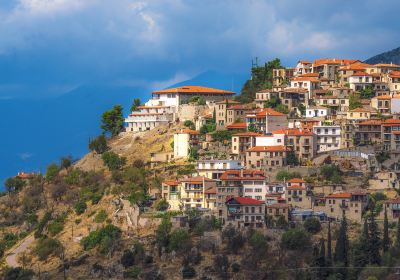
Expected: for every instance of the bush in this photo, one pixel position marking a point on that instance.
(56, 226)
(235, 267)
(104, 238)
(188, 272)
(18, 273)
(133, 272)
(162, 205)
(80, 207)
(52, 172)
(286, 175)
(179, 240)
(99, 144)
(331, 173)
(295, 239)
(312, 225)
(47, 247)
(128, 258)
(113, 161)
(222, 135)
(101, 216)
(42, 224)
(189, 124)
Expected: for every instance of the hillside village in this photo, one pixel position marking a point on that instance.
(339, 112)
(296, 177)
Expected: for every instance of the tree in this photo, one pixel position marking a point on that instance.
(281, 108)
(189, 124)
(342, 243)
(273, 102)
(136, 103)
(302, 109)
(65, 162)
(386, 239)
(397, 243)
(112, 121)
(286, 175)
(221, 265)
(312, 225)
(354, 101)
(99, 144)
(319, 262)
(14, 184)
(374, 242)
(258, 242)
(18, 273)
(291, 158)
(113, 161)
(47, 247)
(295, 239)
(234, 239)
(80, 207)
(360, 249)
(252, 127)
(329, 245)
(179, 241)
(261, 78)
(367, 93)
(52, 172)
(162, 233)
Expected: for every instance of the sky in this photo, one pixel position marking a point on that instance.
(48, 47)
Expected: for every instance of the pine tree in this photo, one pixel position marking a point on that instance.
(374, 242)
(342, 244)
(386, 240)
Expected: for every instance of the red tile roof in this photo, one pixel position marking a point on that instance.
(241, 125)
(246, 201)
(267, 149)
(293, 132)
(390, 65)
(190, 131)
(247, 134)
(361, 110)
(239, 175)
(340, 61)
(371, 122)
(212, 190)
(196, 179)
(278, 206)
(394, 74)
(194, 90)
(229, 101)
(360, 73)
(296, 187)
(296, 180)
(171, 182)
(391, 122)
(340, 195)
(384, 97)
(269, 112)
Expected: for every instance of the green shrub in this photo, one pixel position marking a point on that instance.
(162, 205)
(222, 135)
(47, 247)
(99, 144)
(286, 175)
(128, 258)
(134, 272)
(42, 224)
(103, 238)
(113, 161)
(312, 225)
(18, 273)
(56, 226)
(101, 216)
(295, 239)
(179, 240)
(52, 172)
(189, 124)
(80, 207)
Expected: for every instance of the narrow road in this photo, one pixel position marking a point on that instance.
(11, 258)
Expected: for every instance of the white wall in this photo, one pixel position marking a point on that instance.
(181, 145)
(273, 140)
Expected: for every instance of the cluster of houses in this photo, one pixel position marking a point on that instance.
(313, 109)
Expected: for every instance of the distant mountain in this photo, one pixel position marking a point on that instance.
(37, 130)
(392, 56)
(227, 81)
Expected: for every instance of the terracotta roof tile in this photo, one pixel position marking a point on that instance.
(246, 201)
(194, 90)
(267, 149)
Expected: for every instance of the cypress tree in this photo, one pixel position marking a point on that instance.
(360, 249)
(374, 242)
(386, 240)
(397, 243)
(329, 245)
(342, 244)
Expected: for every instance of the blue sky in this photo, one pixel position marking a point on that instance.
(64, 43)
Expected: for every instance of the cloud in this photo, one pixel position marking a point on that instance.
(75, 41)
(25, 156)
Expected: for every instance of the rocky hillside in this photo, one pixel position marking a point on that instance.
(392, 56)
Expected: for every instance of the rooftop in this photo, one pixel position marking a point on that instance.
(244, 201)
(194, 90)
